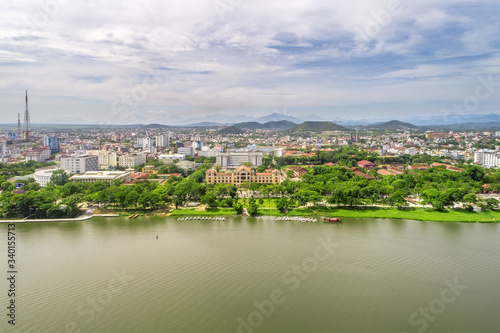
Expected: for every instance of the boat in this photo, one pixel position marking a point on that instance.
(332, 219)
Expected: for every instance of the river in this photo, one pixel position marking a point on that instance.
(253, 275)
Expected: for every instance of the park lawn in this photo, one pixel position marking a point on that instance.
(420, 214)
(209, 211)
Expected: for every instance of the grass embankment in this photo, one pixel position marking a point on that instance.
(420, 214)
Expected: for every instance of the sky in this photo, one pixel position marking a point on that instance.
(169, 62)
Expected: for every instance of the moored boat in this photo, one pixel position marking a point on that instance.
(332, 219)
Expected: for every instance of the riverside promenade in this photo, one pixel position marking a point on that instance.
(85, 216)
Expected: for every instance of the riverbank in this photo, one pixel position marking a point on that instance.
(419, 214)
(80, 218)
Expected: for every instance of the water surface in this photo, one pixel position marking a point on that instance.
(255, 275)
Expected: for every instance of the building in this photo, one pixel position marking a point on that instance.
(3, 148)
(149, 169)
(280, 152)
(52, 142)
(487, 158)
(367, 165)
(234, 160)
(79, 164)
(166, 158)
(162, 141)
(411, 151)
(132, 160)
(42, 177)
(432, 136)
(39, 154)
(188, 151)
(207, 152)
(186, 165)
(297, 171)
(107, 159)
(243, 174)
(144, 143)
(102, 176)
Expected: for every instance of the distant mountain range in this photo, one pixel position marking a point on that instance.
(275, 121)
(317, 126)
(270, 125)
(391, 125)
(220, 119)
(231, 130)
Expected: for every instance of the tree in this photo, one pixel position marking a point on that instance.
(253, 208)
(59, 177)
(282, 204)
(238, 208)
(491, 203)
(475, 172)
(470, 198)
(209, 199)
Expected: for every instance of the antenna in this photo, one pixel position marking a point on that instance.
(27, 120)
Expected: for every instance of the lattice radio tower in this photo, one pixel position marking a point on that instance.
(27, 122)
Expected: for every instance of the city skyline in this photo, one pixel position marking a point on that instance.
(118, 63)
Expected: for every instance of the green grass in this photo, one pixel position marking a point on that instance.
(420, 214)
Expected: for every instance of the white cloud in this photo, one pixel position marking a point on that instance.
(256, 54)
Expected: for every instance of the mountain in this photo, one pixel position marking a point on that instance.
(317, 126)
(155, 126)
(231, 130)
(271, 125)
(220, 119)
(392, 125)
(452, 119)
(490, 126)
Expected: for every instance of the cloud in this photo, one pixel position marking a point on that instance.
(195, 59)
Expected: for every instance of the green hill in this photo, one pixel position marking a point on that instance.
(392, 125)
(231, 130)
(317, 126)
(270, 125)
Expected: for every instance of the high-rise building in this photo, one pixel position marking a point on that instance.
(188, 151)
(487, 158)
(52, 142)
(162, 141)
(78, 164)
(234, 160)
(132, 160)
(144, 143)
(106, 158)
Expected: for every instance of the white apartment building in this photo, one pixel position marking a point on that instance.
(234, 160)
(106, 158)
(162, 141)
(188, 151)
(103, 176)
(3, 148)
(487, 158)
(171, 157)
(411, 151)
(131, 160)
(280, 152)
(39, 154)
(144, 143)
(78, 164)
